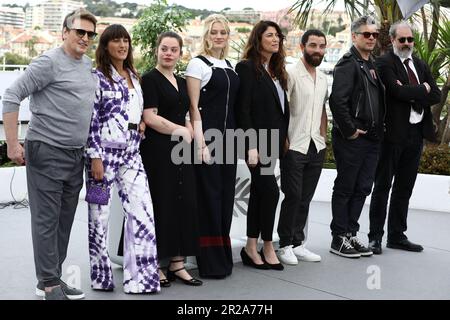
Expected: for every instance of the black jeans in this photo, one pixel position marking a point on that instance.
(299, 177)
(356, 161)
(400, 161)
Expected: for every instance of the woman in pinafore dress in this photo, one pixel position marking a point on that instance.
(212, 87)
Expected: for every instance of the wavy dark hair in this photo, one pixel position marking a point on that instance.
(102, 57)
(253, 50)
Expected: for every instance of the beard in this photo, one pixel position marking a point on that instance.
(313, 59)
(403, 52)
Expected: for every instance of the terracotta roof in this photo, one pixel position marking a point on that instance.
(24, 37)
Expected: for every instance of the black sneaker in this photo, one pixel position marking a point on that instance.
(342, 247)
(360, 247)
(71, 293)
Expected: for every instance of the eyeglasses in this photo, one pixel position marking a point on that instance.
(368, 34)
(403, 39)
(81, 33)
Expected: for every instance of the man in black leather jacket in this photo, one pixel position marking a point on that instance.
(358, 108)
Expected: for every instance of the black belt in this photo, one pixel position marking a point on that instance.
(132, 126)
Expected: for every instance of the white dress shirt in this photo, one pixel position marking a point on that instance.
(414, 117)
(280, 92)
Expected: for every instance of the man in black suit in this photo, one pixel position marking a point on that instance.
(410, 91)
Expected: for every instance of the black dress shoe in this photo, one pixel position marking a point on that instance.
(375, 246)
(404, 244)
(247, 261)
(275, 266)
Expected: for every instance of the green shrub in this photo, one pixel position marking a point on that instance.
(435, 160)
(329, 162)
(3, 157)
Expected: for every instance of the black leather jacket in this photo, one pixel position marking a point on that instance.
(350, 102)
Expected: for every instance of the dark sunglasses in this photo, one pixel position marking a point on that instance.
(403, 39)
(81, 33)
(368, 34)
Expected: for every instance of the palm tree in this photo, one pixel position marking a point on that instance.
(438, 59)
(431, 46)
(387, 12)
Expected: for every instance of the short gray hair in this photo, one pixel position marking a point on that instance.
(81, 14)
(363, 21)
(395, 26)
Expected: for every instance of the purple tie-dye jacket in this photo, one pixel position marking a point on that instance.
(109, 123)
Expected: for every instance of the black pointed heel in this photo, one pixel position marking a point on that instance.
(247, 261)
(172, 276)
(275, 266)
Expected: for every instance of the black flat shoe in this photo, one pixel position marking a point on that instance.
(375, 246)
(404, 244)
(275, 266)
(247, 261)
(172, 276)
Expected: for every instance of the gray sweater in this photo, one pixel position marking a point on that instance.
(61, 91)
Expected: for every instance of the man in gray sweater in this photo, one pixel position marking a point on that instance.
(61, 89)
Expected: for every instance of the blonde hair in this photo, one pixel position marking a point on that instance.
(206, 47)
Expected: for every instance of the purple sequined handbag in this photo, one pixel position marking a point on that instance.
(97, 193)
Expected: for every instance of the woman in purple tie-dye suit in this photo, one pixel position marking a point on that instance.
(113, 157)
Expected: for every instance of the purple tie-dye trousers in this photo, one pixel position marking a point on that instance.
(124, 169)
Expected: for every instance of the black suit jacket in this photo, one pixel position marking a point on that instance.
(400, 97)
(258, 104)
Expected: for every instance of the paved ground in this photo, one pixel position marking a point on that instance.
(393, 275)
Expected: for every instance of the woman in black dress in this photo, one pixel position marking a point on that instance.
(172, 185)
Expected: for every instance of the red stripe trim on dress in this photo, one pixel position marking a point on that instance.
(214, 241)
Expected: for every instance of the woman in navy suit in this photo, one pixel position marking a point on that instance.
(262, 106)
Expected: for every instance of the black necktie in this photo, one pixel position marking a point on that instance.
(413, 80)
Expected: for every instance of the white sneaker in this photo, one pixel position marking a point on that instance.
(304, 254)
(287, 256)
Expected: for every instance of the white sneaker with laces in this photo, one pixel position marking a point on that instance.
(287, 256)
(304, 254)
